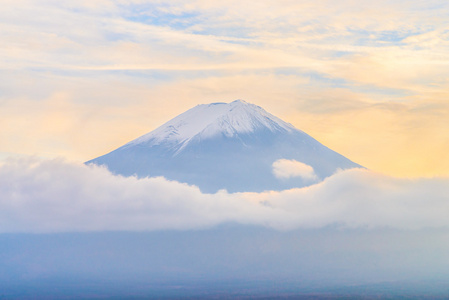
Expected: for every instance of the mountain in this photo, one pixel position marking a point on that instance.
(230, 146)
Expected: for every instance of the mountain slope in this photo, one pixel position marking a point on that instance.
(228, 146)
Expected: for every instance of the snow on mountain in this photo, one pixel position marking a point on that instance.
(209, 120)
(233, 146)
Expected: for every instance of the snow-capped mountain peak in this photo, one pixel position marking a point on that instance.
(236, 146)
(209, 120)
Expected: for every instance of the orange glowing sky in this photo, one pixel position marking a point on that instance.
(369, 79)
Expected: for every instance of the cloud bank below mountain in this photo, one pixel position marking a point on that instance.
(58, 196)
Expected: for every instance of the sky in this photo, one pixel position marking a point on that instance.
(368, 79)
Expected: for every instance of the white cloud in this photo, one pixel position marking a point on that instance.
(56, 196)
(288, 168)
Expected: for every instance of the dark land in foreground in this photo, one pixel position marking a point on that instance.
(230, 261)
(141, 289)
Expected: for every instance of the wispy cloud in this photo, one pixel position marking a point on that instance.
(56, 196)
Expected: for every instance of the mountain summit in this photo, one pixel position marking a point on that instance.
(210, 120)
(236, 146)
